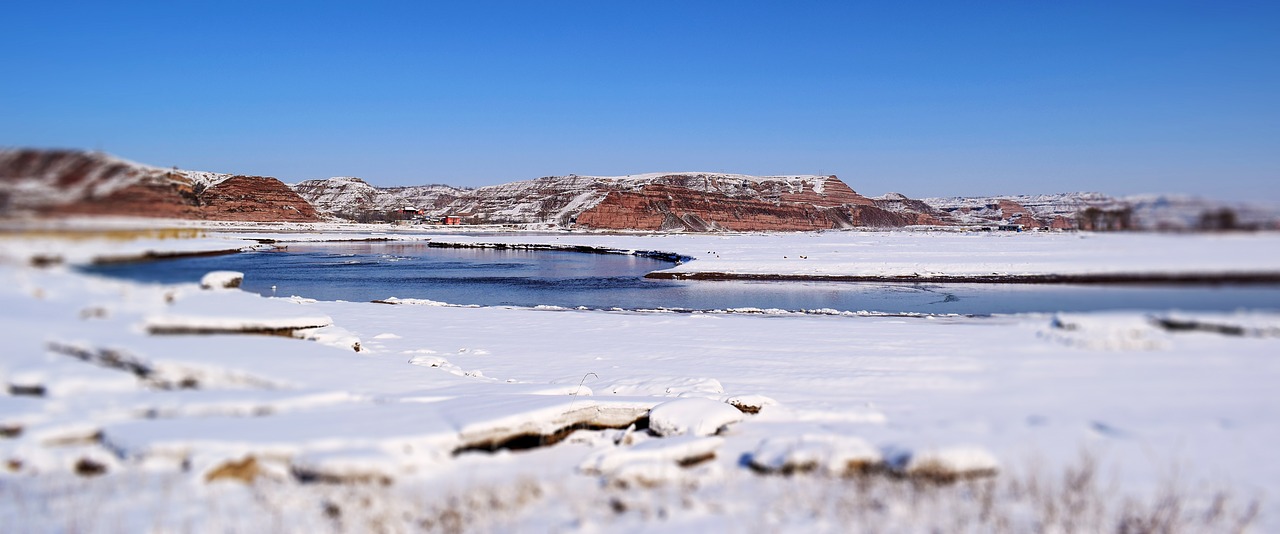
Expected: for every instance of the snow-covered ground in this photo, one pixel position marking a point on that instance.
(925, 255)
(360, 416)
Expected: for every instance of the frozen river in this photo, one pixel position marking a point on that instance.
(369, 271)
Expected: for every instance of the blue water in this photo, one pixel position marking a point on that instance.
(370, 271)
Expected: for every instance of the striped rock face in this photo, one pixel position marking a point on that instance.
(694, 202)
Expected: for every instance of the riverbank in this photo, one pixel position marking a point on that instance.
(672, 420)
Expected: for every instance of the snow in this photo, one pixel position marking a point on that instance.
(446, 399)
(922, 255)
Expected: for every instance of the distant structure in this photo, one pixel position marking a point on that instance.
(1097, 219)
(407, 213)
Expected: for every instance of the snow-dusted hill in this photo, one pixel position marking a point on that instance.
(354, 199)
(714, 201)
(560, 200)
(70, 182)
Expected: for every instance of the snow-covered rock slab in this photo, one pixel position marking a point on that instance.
(945, 464)
(750, 404)
(676, 451)
(694, 416)
(1116, 331)
(232, 311)
(415, 432)
(830, 454)
(193, 324)
(491, 421)
(369, 465)
(221, 280)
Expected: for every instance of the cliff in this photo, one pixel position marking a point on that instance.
(46, 183)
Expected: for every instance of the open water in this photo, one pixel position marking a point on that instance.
(370, 271)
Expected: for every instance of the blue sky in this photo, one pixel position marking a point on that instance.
(923, 98)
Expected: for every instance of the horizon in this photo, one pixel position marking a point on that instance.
(924, 99)
(1261, 203)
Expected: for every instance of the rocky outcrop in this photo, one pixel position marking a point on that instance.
(354, 199)
(67, 182)
(1015, 213)
(1059, 211)
(705, 202)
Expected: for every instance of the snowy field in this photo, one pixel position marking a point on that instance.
(133, 407)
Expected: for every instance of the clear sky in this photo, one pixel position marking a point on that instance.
(923, 98)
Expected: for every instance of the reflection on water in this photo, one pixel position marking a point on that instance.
(369, 271)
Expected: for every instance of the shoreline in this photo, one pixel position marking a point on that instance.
(1177, 279)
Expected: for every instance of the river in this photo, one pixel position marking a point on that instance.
(371, 271)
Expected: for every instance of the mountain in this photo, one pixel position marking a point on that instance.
(71, 182)
(46, 183)
(689, 201)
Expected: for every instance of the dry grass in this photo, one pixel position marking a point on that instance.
(1072, 500)
(86, 234)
